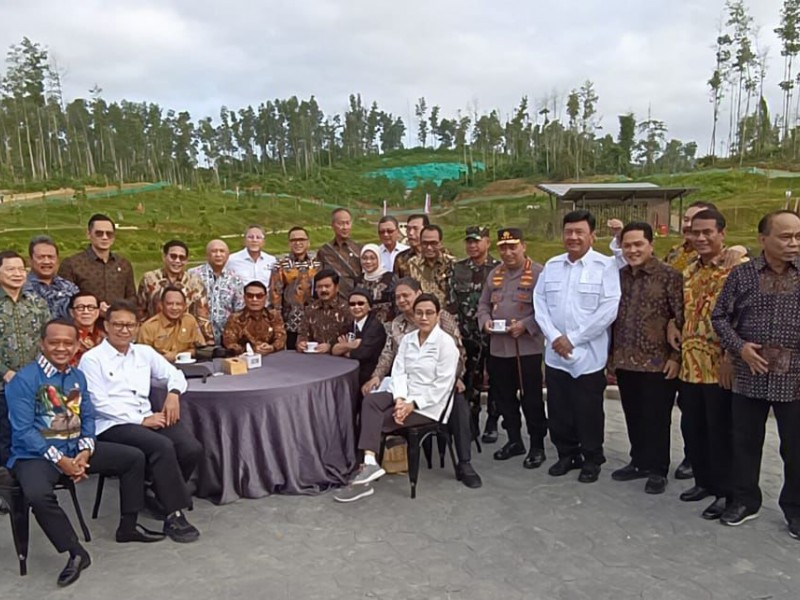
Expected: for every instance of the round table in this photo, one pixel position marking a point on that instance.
(286, 427)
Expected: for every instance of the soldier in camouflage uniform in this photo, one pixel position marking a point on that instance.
(469, 276)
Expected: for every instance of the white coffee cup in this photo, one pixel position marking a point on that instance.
(311, 346)
(183, 357)
(499, 325)
(351, 336)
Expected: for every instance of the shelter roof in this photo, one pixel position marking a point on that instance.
(620, 192)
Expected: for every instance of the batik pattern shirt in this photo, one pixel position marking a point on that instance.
(20, 324)
(108, 281)
(324, 322)
(401, 263)
(382, 292)
(680, 256)
(246, 327)
(153, 284)
(57, 294)
(345, 259)
(292, 285)
(434, 278)
(87, 339)
(761, 306)
(225, 295)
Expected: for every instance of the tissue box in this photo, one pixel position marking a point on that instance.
(253, 361)
(234, 366)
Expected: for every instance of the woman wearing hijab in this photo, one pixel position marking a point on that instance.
(378, 282)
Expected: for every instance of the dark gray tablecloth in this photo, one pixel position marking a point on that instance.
(284, 428)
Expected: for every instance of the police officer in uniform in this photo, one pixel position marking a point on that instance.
(469, 276)
(505, 312)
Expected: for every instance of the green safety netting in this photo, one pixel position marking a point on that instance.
(435, 172)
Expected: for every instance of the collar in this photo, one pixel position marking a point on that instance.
(111, 351)
(246, 315)
(760, 263)
(165, 323)
(344, 244)
(93, 255)
(49, 368)
(34, 278)
(650, 267)
(161, 274)
(434, 335)
(360, 324)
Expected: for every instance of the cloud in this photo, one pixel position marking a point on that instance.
(198, 55)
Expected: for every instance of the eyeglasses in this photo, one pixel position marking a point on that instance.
(85, 307)
(358, 303)
(428, 313)
(122, 326)
(103, 234)
(430, 242)
(254, 295)
(296, 240)
(178, 257)
(385, 231)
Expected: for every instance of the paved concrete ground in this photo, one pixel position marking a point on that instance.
(523, 535)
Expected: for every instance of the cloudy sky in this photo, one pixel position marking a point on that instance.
(200, 54)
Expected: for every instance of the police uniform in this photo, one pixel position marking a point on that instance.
(515, 364)
(465, 292)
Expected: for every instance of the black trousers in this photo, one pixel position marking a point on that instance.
(376, 418)
(38, 476)
(504, 378)
(647, 400)
(291, 340)
(461, 427)
(749, 416)
(476, 363)
(706, 426)
(5, 431)
(575, 407)
(172, 454)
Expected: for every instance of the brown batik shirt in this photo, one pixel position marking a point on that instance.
(652, 296)
(434, 278)
(246, 327)
(325, 321)
(107, 281)
(345, 259)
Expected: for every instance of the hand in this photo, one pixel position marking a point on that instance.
(155, 421)
(726, 374)
(354, 343)
(172, 409)
(460, 387)
(370, 386)
(301, 346)
(516, 329)
(170, 356)
(401, 412)
(671, 369)
(733, 256)
(9, 375)
(615, 225)
(488, 327)
(263, 348)
(562, 346)
(324, 349)
(71, 469)
(674, 337)
(757, 363)
(103, 308)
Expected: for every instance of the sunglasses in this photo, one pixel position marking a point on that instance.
(385, 231)
(178, 257)
(296, 240)
(358, 303)
(103, 234)
(254, 295)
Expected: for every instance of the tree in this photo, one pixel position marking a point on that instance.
(789, 34)
(420, 111)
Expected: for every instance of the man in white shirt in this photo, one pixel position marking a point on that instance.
(422, 383)
(118, 374)
(575, 302)
(251, 263)
(389, 232)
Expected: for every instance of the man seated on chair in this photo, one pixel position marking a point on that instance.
(257, 325)
(423, 378)
(84, 308)
(173, 330)
(53, 434)
(118, 373)
(365, 342)
(325, 318)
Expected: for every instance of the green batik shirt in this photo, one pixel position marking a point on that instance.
(465, 292)
(21, 323)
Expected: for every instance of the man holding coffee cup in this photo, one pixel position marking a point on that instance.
(505, 312)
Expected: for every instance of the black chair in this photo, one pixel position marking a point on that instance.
(417, 436)
(19, 513)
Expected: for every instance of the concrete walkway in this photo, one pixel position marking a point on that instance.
(523, 535)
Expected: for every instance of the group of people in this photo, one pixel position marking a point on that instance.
(430, 333)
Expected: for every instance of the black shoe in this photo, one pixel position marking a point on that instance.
(139, 533)
(629, 473)
(715, 509)
(535, 459)
(178, 529)
(656, 484)
(72, 571)
(736, 514)
(490, 431)
(468, 476)
(695, 494)
(684, 470)
(589, 473)
(565, 465)
(510, 450)
(794, 528)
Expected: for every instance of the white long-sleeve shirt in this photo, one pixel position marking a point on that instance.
(119, 384)
(579, 300)
(387, 256)
(425, 374)
(251, 270)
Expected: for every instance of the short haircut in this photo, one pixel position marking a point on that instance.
(576, 216)
(293, 229)
(711, 215)
(341, 209)
(408, 282)
(255, 226)
(435, 228)
(80, 294)
(363, 293)
(325, 274)
(175, 244)
(702, 204)
(256, 283)
(388, 219)
(638, 226)
(172, 288)
(64, 322)
(41, 239)
(9, 254)
(425, 220)
(97, 217)
(121, 305)
(428, 298)
(765, 224)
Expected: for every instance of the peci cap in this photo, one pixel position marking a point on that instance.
(476, 233)
(509, 235)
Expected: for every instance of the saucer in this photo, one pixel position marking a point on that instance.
(186, 362)
(496, 330)
(310, 351)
